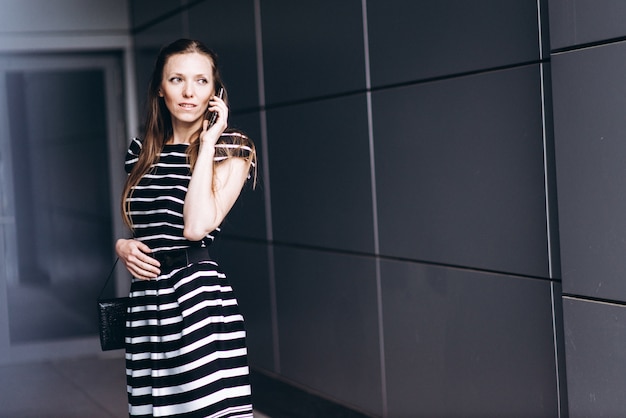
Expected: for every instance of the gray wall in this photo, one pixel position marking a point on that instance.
(589, 85)
(401, 253)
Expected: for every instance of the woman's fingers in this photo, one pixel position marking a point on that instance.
(145, 266)
(142, 270)
(218, 107)
(139, 263)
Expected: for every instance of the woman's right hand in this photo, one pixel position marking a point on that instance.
(135, 256)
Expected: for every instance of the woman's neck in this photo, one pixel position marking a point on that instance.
(183, 133)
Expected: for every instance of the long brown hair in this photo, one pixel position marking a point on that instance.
(158, 123)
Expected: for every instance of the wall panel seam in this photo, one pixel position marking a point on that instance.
(370, 130)
(266, 186)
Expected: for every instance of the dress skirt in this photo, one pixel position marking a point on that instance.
(185, 346)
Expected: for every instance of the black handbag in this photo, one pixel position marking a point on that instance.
(112, 318)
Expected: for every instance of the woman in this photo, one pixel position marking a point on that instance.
(185, 339)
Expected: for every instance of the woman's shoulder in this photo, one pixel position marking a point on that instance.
(234, 143)
(132, 155)
(235, 136)
(135, 145)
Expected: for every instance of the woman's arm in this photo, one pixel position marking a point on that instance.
(206, 205)
(212, 192)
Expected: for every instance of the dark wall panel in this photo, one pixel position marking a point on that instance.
(161, 33)
(595, 338)
(589, 88)
(250, 282)
(576, 22)
(247, 217)
(413, 40)
(236, 52)
(467, 344)
(459, 172)
(320, 174)
(145, 11)
(328, 332)
(312, 48)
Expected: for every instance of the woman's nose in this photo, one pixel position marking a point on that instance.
(188, 90)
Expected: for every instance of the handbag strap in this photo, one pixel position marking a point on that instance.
(108, 278)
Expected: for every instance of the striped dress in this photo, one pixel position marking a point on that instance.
(185, 339)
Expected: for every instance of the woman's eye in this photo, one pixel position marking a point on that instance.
(203, 81)
(175, 79)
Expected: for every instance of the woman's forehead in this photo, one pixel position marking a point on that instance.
(193, 63)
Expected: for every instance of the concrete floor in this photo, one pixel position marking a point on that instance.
(93, 387)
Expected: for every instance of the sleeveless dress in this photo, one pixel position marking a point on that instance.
(186, 352)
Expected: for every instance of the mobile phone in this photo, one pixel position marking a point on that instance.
(213, 115)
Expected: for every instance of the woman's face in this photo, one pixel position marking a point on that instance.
(187, 86)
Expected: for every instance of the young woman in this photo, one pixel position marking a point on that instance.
(185, 340)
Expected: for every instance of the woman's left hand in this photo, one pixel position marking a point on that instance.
(210, 134)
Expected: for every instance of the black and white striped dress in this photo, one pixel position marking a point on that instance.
(185, 340)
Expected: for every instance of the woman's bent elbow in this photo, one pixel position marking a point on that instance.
(194, 234)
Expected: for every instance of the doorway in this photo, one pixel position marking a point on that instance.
(61, 151)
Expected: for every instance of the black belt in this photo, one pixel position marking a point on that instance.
(173, 259)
